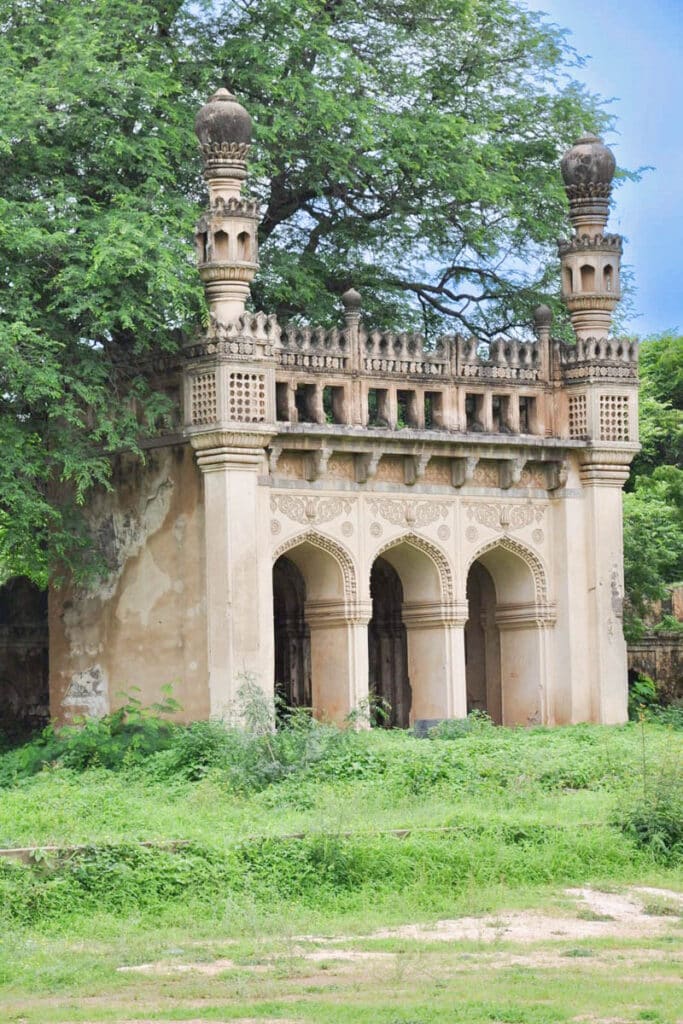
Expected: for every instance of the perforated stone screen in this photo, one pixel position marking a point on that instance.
(204, 399)
(247, 397)
(578, 423)
(614, 418)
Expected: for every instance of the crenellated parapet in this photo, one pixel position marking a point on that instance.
(312, 349)
(249, 372)
(597, 360)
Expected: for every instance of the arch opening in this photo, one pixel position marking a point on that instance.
(413, 572)
(587, 278)
(292, 636)
(388, 646)
(482, 645)
(314, 587)
(243, 246)
(505, 635)
(24, 677)
(220, 247)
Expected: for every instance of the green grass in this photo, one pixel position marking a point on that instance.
(527, 812)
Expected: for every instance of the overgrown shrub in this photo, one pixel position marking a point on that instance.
(131, 734)
(456, 728)
(654, 819)
(642, 693)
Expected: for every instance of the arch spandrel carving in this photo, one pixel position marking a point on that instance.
(332, 547)
(529, 557)
(443, 566)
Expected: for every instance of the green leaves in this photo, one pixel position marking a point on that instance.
(408, 149)
(653, 510)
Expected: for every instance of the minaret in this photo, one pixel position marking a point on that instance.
(229, 412)
(227, 244)
(591, 258)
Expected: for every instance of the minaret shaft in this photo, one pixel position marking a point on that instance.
(227, 241)
(591, 258)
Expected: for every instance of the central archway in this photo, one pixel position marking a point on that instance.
(416, 571)
(388, 646)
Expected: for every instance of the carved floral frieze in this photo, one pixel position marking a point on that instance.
(504, 517)
(409, 513)
(311, 509)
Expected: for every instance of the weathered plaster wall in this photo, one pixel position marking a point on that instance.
(144, 624)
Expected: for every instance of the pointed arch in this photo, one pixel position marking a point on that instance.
(443, 567)
(529, 557)
(332, 547)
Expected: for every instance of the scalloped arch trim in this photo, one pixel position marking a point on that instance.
(339, 553)
(432, 551)
(531, 560)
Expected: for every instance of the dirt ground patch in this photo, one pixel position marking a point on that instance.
(596, 915)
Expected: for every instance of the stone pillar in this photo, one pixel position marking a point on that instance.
(526, 673)
(603, 474)
(339, 658)
(238, 576)
(436, 659)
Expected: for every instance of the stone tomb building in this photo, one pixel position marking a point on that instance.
(349, 510)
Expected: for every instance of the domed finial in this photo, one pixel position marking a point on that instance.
(588, 163)
(222, 121)
(351, 300)
(543, 316)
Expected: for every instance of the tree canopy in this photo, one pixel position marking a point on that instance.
(653, 506)
(409, 149)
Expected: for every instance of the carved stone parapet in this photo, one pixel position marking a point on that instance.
(596, 243)
(230, 206)
(599, 360)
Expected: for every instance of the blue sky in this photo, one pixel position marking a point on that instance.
(636, 58)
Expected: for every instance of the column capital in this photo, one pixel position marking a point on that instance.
(603, 466)
(215, 449)
(524, 615)
(434, 614)
(331, 612)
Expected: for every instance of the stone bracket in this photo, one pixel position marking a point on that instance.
(316, 463)
(557, 473)
(365, 465)
(414, 467)
(462, 469)
(274, 457)
(510, 471)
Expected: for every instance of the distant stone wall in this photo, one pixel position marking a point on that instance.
(660, 656)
